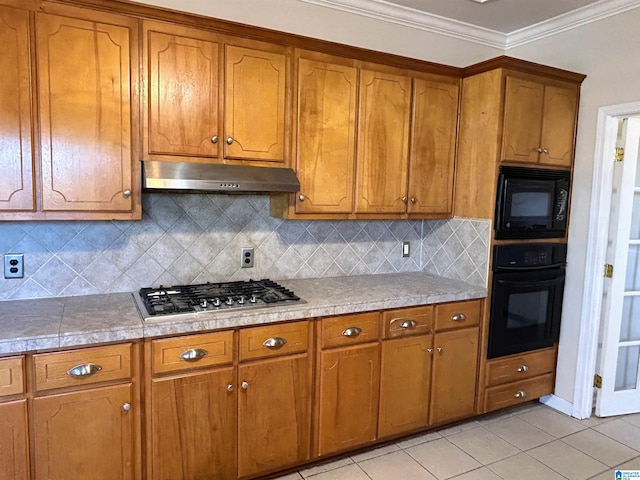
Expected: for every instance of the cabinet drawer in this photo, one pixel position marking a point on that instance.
(407, 321)
(520, 367)
(11, 376)
(350, 329)
(517, 392)
(82, 367)
(192, 351)
(273, 340)
(458, 314)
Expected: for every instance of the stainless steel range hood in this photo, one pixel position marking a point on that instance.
(201, 177)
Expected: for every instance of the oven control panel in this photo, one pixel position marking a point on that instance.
(529, 256)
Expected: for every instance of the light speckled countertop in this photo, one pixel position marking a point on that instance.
(42, 324)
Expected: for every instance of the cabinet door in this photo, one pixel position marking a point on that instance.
(85, 434)
(405, 382)
(16, 161)
(522, 120)
(84, 92)
(182, 71)
(348, 397)
(433, 147)
(14, 456)
(274, 414)
(193, 426)
(455, 362)
(255, 102)
(326, 132)
(559, 125)
(383, 142)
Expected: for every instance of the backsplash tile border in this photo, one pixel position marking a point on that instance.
(197, 238)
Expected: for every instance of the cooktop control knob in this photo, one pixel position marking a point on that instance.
(229, 301)
(203, 303)
(241, 300)
(216, 302)
(252, 299)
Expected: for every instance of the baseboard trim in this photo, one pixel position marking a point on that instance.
(558, 403)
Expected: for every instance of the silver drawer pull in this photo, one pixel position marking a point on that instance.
(84, 370)
(275, 342)
(520, 394)
(409, 324)
(193, 354)
(126, 407)
(352, 332)
(458, 317)
(522, 368)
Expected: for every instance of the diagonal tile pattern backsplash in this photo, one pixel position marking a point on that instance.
(198, 238)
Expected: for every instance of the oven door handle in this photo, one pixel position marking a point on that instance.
(542, 267)
(531, 283)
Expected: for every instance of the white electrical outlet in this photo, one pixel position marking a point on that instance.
(406, 248)
(247, 258)
(13, 265)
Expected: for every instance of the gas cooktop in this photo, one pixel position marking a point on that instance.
(207, 297)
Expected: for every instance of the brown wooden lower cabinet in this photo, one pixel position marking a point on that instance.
(85, 434)
(193, 424)
(405, 384)
(14, 456)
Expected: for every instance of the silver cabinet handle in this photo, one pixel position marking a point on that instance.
(404, 199)
(539, 149)
(214, 139)
(414, 199)
(229, 388)
(458, 317)
(301, 198)
(520, 394)
(193, 354)
(430, 351)
(439, 349)
(244, 385)
(409, 324)
(84, 370)
(275, 342)
(229, 140)
(544, 150)
(522, 368)
(126, 407)
(126, 193)
(352, 332)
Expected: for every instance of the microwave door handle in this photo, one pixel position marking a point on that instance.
(531, 283)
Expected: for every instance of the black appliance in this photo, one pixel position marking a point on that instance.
(531, 203)
(206, 297)
(526, 299)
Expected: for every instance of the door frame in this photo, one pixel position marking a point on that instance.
(598, 232)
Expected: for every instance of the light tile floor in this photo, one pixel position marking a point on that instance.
(532, 442)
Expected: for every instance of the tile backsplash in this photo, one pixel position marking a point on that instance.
(197, 238)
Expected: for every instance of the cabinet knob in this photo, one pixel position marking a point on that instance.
(126, 407)
(520, 394)
(301, 198)
(244, 385)
(214, 139)
(404, 199)
(193, 354)
(84, 370)
(352, 332)
(126, 193)
(458, 317)
(229, 140)
(414, 199)
(544, 150)
(439, 349)
(409, 324)
(539, 149)
(230, 388)
(430, 351)
(522, 368)
(275, 342)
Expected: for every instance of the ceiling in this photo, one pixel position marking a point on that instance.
(497, 23)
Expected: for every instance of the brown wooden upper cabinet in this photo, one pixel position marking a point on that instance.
(204, 91)
(539, 121)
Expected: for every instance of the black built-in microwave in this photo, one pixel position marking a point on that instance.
(531, 203)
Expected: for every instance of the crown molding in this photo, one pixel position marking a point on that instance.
(562, 23)
(409, 17)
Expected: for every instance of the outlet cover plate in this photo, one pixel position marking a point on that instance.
(247, 258)
(13, 265)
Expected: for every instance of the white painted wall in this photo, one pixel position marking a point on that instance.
(608, 52)
(314, 21)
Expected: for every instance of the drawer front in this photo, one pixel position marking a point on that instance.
(192, 351)
(11, 376)
(350, 329)
(274, 340)
(407, 321)
(503, 396)
(458, 315)
(83, 366)
(520, 367)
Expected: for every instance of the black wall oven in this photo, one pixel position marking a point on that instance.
(531, 203)
(526, 299)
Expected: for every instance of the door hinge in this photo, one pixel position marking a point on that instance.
(618, 156)
(608, 270)
(597, 381)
